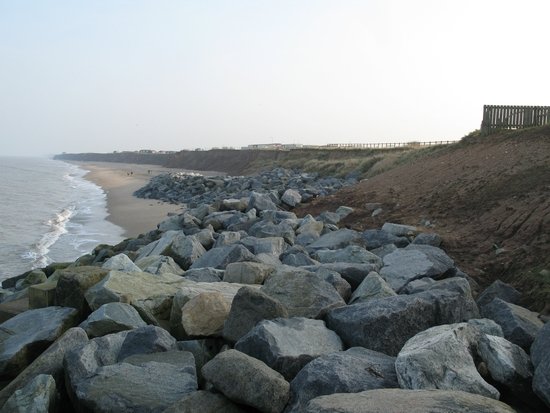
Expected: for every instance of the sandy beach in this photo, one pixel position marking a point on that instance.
(119, 181)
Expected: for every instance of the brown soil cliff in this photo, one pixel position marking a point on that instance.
(488, 197)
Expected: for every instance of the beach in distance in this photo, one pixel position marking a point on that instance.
(119, 181)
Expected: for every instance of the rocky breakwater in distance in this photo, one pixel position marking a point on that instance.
(286, 188)
(238, 306)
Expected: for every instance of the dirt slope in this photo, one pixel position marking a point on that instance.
(488, 197)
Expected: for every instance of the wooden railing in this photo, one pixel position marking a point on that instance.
(497, 117)
(386, 144)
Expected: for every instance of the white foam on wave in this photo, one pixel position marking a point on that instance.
(56, 227)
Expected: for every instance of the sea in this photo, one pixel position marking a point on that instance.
(49, 213)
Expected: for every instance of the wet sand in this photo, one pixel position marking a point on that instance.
(119, 181)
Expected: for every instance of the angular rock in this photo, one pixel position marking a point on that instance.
(297, 256)
(405, 265)
(230, 372)
(203, 351)
(486, 326)
(351, 371)
(336, 280)
(249, 307)
(268, 229)
(25, 336)
(353, 273)
(385, 324)
(336, 240)
(260, 202)
(205, 274)
(185, 250)
(220, 257)
(112, 318)
(235, 204)
(206, 401)
(440, 358)
(376, 238)
(191, 290)
(120, 262)
(541, 381)
(508, 365)
(519, 325)
(73, 284)
(288, 344)
(373, 286)
(247, 272)
(399, 230)
(49, 362)
(147, 387)
(269, 245)
(540, 346)
(33, 278)
(205, 314)
(159, 264)
(159, 246)
(352, 253)
(410, 401)
(432, 239)
(227, 238)
(303, 294)
(291, 197)
(38, 396)
(145, 340)
(155, 291)
(501, 290)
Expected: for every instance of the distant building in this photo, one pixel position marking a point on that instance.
(147, 151)
(265, 146)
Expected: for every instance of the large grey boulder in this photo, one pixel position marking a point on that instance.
(206, 274)
(440, 358)
(261, 202)
(508, 365)
(541, 362)
(399, 230)
(50, 362)
(268, 245)
(112, 318)
(385, 324)
(205, 314)
(249, 381)
(351, 371)
(145, 340)
(203, 351)
(268, 229)
(376, 238)
(120, 262)
(226, 238)
(297, 256)
(291, 197)
(142, 387)
(220, 257)
(191, 290)
(185, 250)
(159, 264)
(25, 336)
(288, 344)
(249, 307)
(405, 265)
(373, 286)
(351, 253)
(73, 284)
(336, 280)
(247, 272)
(410, 401)
(38, 396)
(336, 240)
(428, 238)
(353, 273)
(302, 293)
(520, 326)
(159, 246)
(119, 286)
(501, 290)
(206, 402)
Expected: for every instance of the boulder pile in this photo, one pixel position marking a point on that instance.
(285, 187)
(249, 308)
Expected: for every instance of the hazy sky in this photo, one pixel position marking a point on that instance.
(80, 76)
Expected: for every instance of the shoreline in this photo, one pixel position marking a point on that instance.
(119, 181)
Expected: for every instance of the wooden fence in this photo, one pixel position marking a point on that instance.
(385, 145)
(497, 117)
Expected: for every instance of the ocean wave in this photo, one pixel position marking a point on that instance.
(56, 227)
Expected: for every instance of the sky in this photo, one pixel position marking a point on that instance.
(113, 75)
